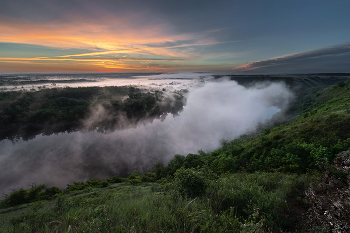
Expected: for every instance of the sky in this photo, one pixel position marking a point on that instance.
(231, 37)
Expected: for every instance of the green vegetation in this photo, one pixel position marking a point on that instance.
(254, 183)
(232, 203)
(26, 114)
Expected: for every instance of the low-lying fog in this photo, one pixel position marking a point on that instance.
(214, 111)
(35, 82)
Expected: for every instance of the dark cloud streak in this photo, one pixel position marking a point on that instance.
(332, 59)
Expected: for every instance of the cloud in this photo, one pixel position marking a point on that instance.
(331, 59)
(143, 31)
(201, 33)
(102, 41)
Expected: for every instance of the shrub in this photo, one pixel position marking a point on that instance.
(91, 183)
(189, 182)
(51, 193)
(115, 179)
(76, 186)
(341, 84)
(148, 177)
(159, 170)
(263, 193)
(224, 164)
(175, 164)
(136, 180)
(17, 197)
(35, 193)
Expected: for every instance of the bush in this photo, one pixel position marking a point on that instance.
(115, 179)
(175, 164)
(35, 193)
(17, 197)
(96, 183)
(341, 84)
(159, 170)
(148, 177)
(224, 164)
(51, 193)
(190, 182)
(136, 180)
(91, 183)
(262, 193)
(76, 186)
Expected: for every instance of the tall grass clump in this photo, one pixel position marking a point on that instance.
(258, 197)
(125, 209)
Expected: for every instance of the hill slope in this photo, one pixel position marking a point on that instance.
(255, 183)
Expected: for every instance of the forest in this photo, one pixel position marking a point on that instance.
(254, 183)
(25, 114)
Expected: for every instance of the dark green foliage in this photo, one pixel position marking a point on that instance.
(148, 177)
(139, 104)
(159, 170)
(50, 193)
(76, 186)
(62, 109)
(15, 198)
(96, 183)
(16, 110)
(223, 163)
(190, 182)
(91, 183)
(193, 161)
(174, 164)
(115, 179)
(36, 193)
(341, 84)
(261, 197)
(61, 205)
(135, 177)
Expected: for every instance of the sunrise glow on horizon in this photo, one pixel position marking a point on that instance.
(158, 36)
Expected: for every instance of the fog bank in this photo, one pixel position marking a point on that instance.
(214, 111)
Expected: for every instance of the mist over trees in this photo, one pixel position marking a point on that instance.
(214, 111)
(27, 114)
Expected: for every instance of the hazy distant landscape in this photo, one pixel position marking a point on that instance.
(106, 139)
(99, 142)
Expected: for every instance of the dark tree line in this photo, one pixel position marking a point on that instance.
(26, 114)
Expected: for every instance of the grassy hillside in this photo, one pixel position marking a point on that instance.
(233, 202)
(255, 183)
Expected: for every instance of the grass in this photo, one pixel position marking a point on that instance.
(234, 202)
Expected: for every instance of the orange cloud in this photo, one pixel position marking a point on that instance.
(105, 37)
(110, 34)
(44, 64)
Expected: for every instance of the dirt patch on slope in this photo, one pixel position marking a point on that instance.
(328, 198)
